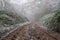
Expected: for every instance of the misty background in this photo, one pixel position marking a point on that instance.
(26, 10)
(32, 9)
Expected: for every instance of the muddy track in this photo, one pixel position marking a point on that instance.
(30, 32)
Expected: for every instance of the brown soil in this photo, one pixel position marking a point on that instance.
(31, 32)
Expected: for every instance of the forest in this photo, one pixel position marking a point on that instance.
(44, 13)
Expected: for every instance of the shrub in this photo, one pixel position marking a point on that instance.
(53, 23)
(9, 18)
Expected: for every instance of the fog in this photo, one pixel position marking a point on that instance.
(32, 9)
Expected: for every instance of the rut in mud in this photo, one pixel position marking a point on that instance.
(30, 32)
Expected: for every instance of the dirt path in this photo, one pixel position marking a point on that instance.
(30, 32)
